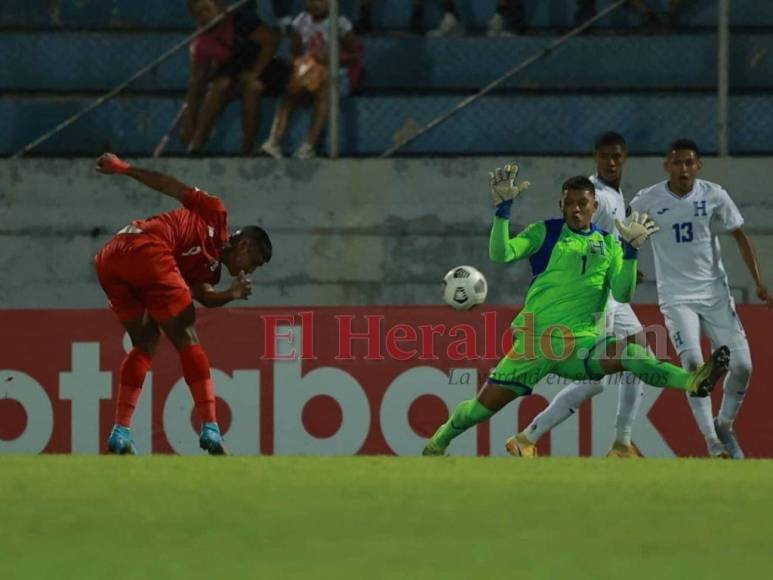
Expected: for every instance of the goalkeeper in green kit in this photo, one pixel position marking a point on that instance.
(560, 329)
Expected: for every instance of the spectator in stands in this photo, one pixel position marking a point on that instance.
(233, 59)
(508, 19)
(309, 78)
(282, 10)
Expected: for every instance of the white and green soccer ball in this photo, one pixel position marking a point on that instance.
(464, 287)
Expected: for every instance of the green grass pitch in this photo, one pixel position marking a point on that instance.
(383, 517)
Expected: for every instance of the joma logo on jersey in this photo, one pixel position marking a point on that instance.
(700, 208)
(596, 247)
(192, 252)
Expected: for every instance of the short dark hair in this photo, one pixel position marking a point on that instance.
(578, 182)
(257, 237)
(685, 144)
(609, 138)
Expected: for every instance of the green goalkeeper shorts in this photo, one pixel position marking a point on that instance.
(530, 360)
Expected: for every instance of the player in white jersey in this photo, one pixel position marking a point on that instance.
(609, 156)
(693, 292)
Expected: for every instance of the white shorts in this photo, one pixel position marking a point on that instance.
(621, 321)
(717, 319)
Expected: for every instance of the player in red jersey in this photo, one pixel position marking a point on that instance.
(153, 269)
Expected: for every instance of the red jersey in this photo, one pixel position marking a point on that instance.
(195, 234)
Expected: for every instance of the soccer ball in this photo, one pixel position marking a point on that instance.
(464, 287)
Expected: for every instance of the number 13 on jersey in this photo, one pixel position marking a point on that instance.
(683, 232)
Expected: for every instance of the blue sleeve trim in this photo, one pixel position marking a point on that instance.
(629, 252)
(503, 209)
(539, 261)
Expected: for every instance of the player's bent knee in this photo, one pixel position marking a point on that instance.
(594, 388)
(187, 317)
(691, 359)
(180, 328)
(149, 341)
(144, 334)
(740, 365)
(181, 337)
(494, 397)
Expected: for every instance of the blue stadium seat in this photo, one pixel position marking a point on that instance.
(395, 14)
(86, 61)
(494, 125)
(386, 14)
(594, 83)
(95, 14)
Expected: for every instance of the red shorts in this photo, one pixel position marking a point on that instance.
(140, 274)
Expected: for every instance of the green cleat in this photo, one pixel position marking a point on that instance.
(706, 376)
(433, 449)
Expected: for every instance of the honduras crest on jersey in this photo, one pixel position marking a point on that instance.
(596, 247)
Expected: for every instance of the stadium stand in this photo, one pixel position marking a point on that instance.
(59, 55)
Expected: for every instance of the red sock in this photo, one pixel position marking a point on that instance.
(134, 367)
(196, 371)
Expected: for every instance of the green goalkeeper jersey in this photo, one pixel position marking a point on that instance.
(573, 273)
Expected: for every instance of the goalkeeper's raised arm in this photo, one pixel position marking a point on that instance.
(504, 190)
(622, 273)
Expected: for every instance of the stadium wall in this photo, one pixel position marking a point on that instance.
(352, 232)
(328, 381)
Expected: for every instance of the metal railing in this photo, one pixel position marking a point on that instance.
(415, 131)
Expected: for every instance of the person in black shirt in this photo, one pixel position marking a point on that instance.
(233, 59)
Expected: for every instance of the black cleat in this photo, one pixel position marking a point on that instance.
(707, 375)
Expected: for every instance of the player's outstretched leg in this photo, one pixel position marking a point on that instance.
(467, 414)
(640, 362)
(703, 380)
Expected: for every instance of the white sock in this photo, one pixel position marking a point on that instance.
(563, 405)
(628, 401)
(701, 410)
(700, 406)
(736, 383)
